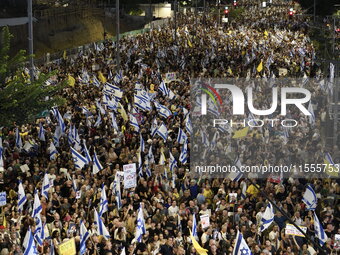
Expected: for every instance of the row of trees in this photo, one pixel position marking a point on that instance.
(20, 100)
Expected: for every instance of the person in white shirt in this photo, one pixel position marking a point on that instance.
(173, 209)
(274, 236)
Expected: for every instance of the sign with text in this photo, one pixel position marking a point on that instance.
(130, 176)
(293, 231)
(205, 221)
(68, 247)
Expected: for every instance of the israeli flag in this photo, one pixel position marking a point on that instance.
(267, 218)
(154, 127)
(100, 107)
(163, 88)
(18, 141)
(21, 197)
(241, 247)
(97, 167)
(104, 204)
(173, 162)
(56, 136)
(142, 143)
(60, 119)
(183, 157)
(114, 122)
(39, 233)
(84, 235)
(102, 230)
(188, 125)
(181, 137)
(204, 138)
(244, 190)
(87, 154)
(36, 205)
(45, 186)
(162, 131)
(117, 192)
(41, 135)
(194, 226)
(95, 81)
(78, 159)
(118, 77)
(31, 248)
(1, 153)
(319, 231)
(53, 151)
(140, 230)
(162, 110)
(237, 175)
(151, 158)
(312, 116)
(134, 122)
(309, 198)
(99, 120)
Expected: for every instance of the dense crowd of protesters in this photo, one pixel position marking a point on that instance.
(170, 201)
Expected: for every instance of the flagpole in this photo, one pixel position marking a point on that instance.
(322, 252)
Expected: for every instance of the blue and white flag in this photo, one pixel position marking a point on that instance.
(86, 152)
(151, 157)
(163, 88)
(244, 190)
(241, 247)
(162, 110)
(173, 162)
(319, 231)
(154, 127)
(99, 120)
(97, 167)
(21, 197)
(84, 235)
(36, 205)
(141, 143)
(56, 136)
(267, 218)
(134, 122)
(18, 141)
(118, 77)
(312, 116)
(188, 125)
(78, 159)
(309, 198)
(45, 186)
(31, 248)
(117, 192)
(236, 175)
(1, 153)
(114, 122)
(104, 204)
(140, 229)
(60, 119)
(102, 230)
(41, 133)
(183, 157)
(95, 81)
(53, 151)
(194, 226)
(181, 137)
(162, 131)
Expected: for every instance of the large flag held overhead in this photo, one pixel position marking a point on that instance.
(53, 151)
(97, 167)
(241, 247)
(134, 122)
(319, 231)
(140, 229)
(162, 131)
(183, 157)
(194, 226)
(21, 197)
(102, 230)
(31, 248)
(268, 217)
(104, 205)
(36, 205)
(182, 136)
(309, 198)
(79, 160)
(87, 154)
(45, 186)
(84, 235)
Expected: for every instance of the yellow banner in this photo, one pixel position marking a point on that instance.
(68, 247)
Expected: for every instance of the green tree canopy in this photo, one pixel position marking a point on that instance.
(20, 100)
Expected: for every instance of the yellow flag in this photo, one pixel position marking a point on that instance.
(189, 43)
(260, 67)
(64, 55)
(241, 133)
(70, 81)
(122, 112)
(265, 34)
(197, 246)
(101, 77)
(330, 169)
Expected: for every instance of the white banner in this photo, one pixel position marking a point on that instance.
(293, 231)
(205, 220)
(130, 176)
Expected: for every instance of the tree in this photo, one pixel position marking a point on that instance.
(20, 100)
